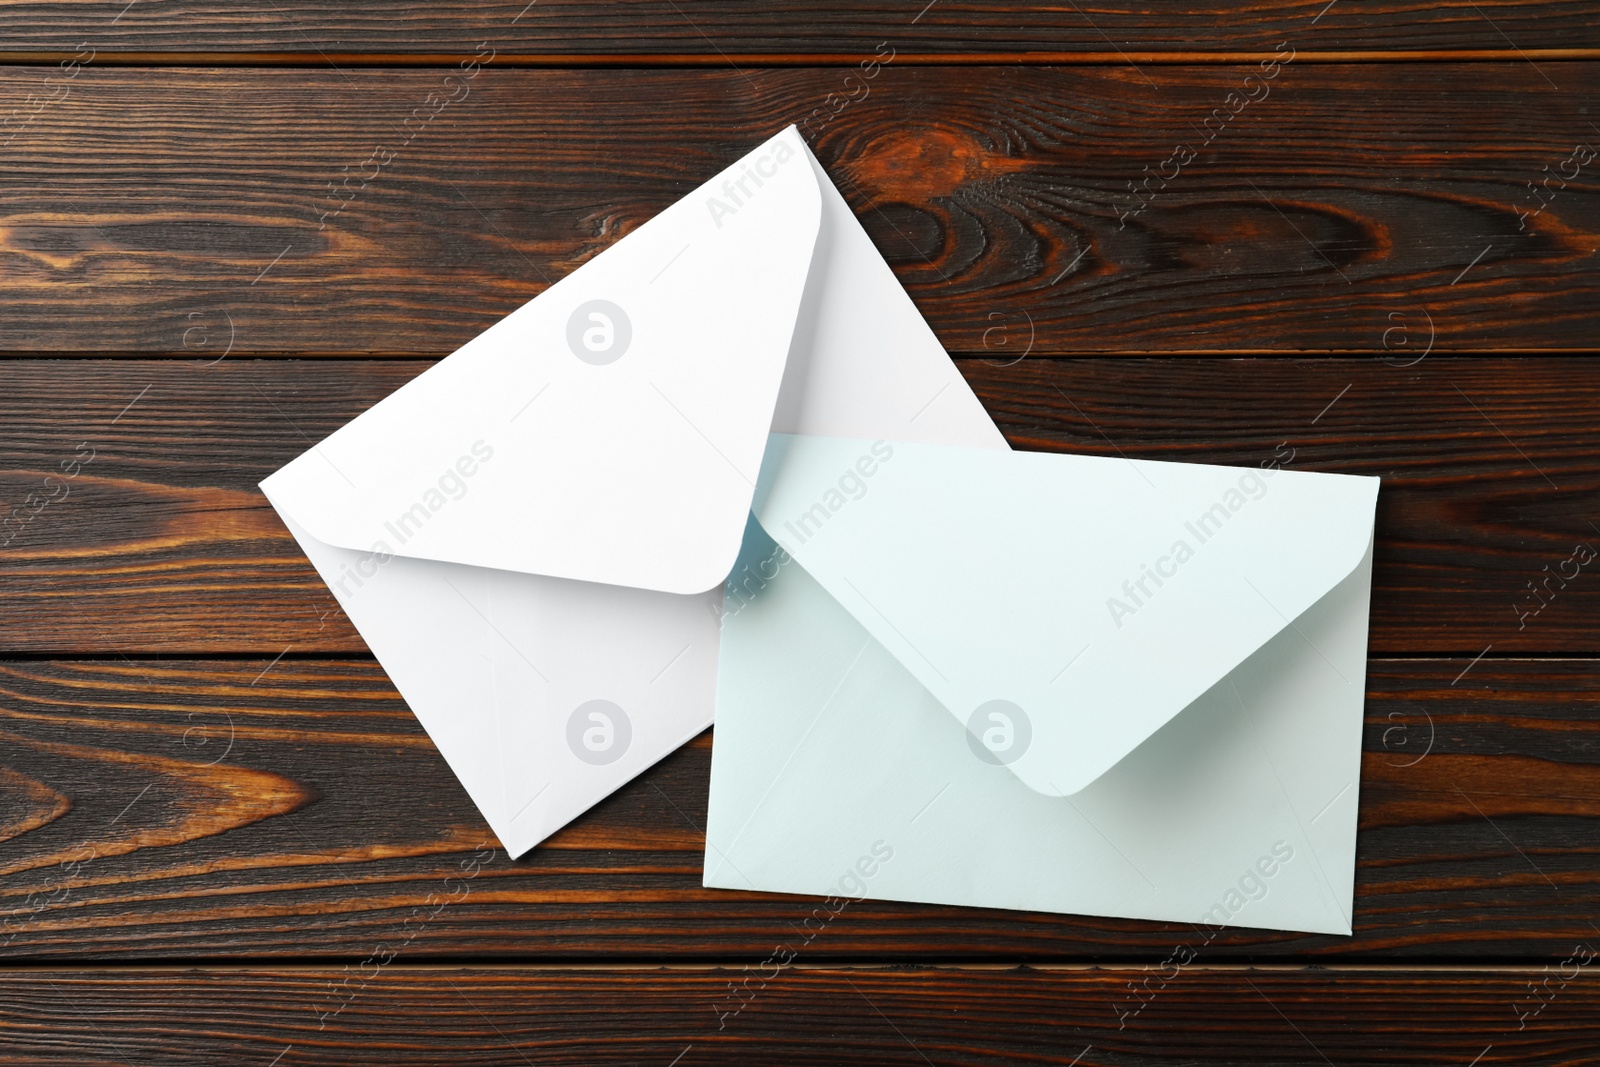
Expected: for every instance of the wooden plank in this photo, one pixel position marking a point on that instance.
(212, 809)
(748, 34)
(163, 543)
(805, 1015)
(179, 212)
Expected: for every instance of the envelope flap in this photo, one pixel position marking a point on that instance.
(611, 429)
(1062, 607)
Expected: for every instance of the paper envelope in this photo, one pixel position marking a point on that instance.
(533, 535)
(1046, 682)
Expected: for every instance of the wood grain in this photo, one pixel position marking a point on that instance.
(181, 212)
(200, 767)
(163, 543)
(867, 1015)
(750, 34)
(203, 809)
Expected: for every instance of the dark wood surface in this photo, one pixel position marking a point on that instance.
(146, 218)
(187, 809)
(216, 814)
(805, 31)
(1203, 1016)
(1490, 476)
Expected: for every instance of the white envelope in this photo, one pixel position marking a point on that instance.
(1046, 682)
(532, 536)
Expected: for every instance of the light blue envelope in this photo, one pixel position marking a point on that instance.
(1047, 682)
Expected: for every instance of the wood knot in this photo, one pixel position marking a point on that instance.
(911, 166)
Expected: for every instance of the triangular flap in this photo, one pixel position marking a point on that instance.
(611, 429)
(1062, 607)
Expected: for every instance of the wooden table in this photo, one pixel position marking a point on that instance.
(1357, 237)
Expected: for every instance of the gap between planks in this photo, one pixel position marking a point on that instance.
(913, 964)
(375, 356)
(757, 60)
